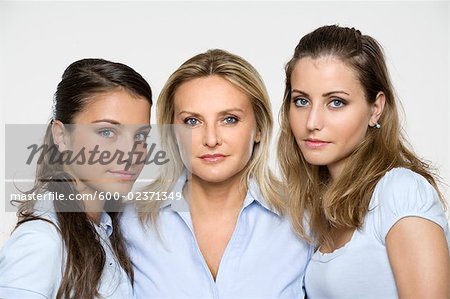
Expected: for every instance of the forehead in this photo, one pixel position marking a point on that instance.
(210, 94)
(119, 105)
(326, 72)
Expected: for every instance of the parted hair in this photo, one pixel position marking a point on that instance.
(243, 75)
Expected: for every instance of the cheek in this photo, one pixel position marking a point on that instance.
(351, 129)
(296, 123)
(244, 142)
(185, 143)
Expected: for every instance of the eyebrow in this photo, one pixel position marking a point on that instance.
(221, 112)
(114, 122)
(105, 120)
(145, 127)
(323, 95)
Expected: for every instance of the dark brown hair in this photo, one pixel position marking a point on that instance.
(85, 255)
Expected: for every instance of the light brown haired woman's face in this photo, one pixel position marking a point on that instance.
(329, 115)
(217, 128)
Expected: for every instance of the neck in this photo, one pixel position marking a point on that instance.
(94, 217)
(215, 199)
(94, 209)
(335, 171)
(92, 205)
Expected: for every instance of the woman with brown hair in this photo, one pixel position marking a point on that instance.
(368, 204)
(72, 247)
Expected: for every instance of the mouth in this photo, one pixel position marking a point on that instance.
(212, 158)
(315, 143)
(123, 174)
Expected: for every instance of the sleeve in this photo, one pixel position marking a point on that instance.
(404, 193)
(31, 262)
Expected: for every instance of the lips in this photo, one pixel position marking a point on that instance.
(315, 143)
(212, 158)
(123, 174)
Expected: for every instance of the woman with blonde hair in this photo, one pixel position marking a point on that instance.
(371, 208)
(226, 236)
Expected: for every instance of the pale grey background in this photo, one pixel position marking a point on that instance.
(39, 39)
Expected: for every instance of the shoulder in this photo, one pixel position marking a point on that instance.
(129, 210)
(32, 259)
(129, 216)
(130, 223)
(403, 188)
(403, 179)
(30, 231)
(405, 193)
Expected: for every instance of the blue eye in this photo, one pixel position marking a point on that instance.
(106, 133)
(191, 121)
(231, 120)
(301, 102)
(141, 136)
(337, 103)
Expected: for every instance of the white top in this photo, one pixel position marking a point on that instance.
(263, 259)
(361, 268)
(32, 262)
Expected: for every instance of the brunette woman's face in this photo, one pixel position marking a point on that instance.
(329, 114)
(217, 128)
(111, 124)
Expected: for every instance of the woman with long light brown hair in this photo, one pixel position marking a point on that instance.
(368, 204)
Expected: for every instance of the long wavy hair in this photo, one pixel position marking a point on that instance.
(244, 76)
(81, 81)
(317, 205)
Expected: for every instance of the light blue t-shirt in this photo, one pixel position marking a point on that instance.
(263, 259)
(361, 268)
(32, 261)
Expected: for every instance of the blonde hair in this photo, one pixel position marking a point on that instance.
(313, 199)
(241, 74)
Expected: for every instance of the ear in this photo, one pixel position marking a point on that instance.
(258, 136)
(377, 108)
(60, 135)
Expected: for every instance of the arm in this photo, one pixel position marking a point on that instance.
(419, 257)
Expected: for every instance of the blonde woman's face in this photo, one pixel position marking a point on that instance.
(217, 128)
(329, 115)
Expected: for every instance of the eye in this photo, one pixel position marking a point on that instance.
(231, 120)
(301, 102)
(141, 136)
(337, 103)
(106, 133)
(191, 121)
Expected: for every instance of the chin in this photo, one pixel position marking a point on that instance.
(213, 175)
(121, 188)
(316, 161)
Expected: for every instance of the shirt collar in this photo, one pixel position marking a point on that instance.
(106, 223)
(175, 202)
(253, 195)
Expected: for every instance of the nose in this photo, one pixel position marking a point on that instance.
(133, 151)
(315, 118)
(211, 136)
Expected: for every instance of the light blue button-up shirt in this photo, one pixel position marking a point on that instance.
(32, 261)
(263, 259)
